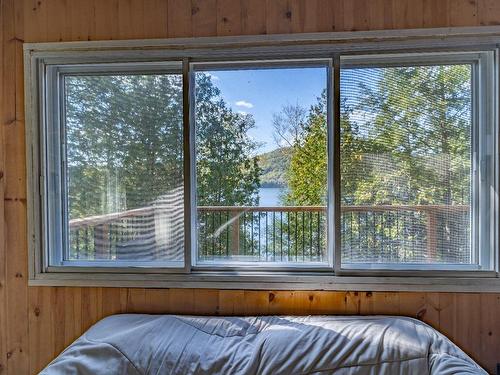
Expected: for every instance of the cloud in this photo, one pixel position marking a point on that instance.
(243, 103)
(243, 113)
(213, 77)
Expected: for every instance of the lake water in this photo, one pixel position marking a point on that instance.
(269, 197)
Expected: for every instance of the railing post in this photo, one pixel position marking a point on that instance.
(101, 241)
(235, 232)
(431, 235)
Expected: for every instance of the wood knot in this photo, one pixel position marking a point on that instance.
(19, 275)
(37, 311)
(194, 10)
(421, 313)
(1, 175)
(311, 297)
(225, 20)
(271, 297)
(9, 354)
(288, 14)
(16, 39)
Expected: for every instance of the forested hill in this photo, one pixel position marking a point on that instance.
(274, 166)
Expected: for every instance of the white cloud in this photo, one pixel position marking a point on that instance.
(243, 113)
(243, 103)
(213, 77)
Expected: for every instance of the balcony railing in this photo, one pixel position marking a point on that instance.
(390, 233)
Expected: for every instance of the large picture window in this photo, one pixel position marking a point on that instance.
(318, 164)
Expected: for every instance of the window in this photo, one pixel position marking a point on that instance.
(413, 138)
(118, 177)
(263, 163)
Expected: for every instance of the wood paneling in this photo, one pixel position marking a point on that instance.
(37, 323)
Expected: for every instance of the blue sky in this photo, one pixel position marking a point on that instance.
(262, 92)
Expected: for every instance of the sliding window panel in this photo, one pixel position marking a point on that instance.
(117, 155)
(412, 139)
(261, 161)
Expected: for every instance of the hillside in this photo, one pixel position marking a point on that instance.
(274, 165)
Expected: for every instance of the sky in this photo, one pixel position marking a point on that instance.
(262, 92)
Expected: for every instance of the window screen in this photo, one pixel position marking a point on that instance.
(406, 164)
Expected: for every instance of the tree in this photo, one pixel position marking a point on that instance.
(421, 123)
(125, 147)
(125, 151)
(289, 125)
(308, 173)
(227, 173)
(124, 138)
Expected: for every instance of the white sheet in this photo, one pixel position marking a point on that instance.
(168, 344)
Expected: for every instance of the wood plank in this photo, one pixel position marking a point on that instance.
(41, 331)
(228, 17)
(105, 19)
(435, 13)
(155, 19)
(157, 301)
(206, 302)
(253, 17)
(179, 18)
(257, 303)
(488, 12)
(361, 14)
(279, 17)
(327, 303)
(231, 302)
(131, 19)
(181, 301)
(15, 259)
(489, 331)
(4, 10)
(204, 17)
(462, 13)
(325, 17)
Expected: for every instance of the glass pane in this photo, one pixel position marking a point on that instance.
(406, 164)
(125, 167)
(261, 164)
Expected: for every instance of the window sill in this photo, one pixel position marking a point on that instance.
(490, 282)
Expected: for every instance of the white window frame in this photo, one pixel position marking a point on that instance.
(38, 56)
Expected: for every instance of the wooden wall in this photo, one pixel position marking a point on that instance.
(36, 323)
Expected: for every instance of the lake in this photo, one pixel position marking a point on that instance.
(269, 196)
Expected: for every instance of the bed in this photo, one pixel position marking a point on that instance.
(174, 344)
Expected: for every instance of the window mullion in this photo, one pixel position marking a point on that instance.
(334, 164)
(189, 212)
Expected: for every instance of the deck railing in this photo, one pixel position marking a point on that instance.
(413, 233)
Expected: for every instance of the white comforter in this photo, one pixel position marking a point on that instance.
(168, 344)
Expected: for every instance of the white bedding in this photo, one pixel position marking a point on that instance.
(169, 344)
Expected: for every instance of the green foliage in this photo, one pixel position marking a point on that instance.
(274, 166)
(421, 126)
(405, 140)
(226, 172)
(125, 144)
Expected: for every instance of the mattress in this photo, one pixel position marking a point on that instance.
(171, 344)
